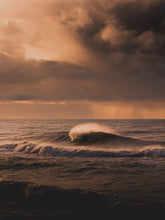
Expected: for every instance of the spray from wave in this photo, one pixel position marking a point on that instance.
(88, 128)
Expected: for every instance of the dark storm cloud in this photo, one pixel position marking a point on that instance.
(135, 15)
(126, 27)
(136, 25)
(147, 23)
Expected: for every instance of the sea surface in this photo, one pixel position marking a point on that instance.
(120, 160)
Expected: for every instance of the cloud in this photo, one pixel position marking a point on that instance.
(91, 50)
(125, 27)
(25, 79)
(11, 38)
(29, 79)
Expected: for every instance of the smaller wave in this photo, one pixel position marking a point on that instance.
(26, 147)
(29, 148)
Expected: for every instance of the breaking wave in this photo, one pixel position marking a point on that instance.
(91, 133)
(88, 128)
(87, 140)
(101, 138)
(85, 135)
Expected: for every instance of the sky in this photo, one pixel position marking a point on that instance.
(82, 59)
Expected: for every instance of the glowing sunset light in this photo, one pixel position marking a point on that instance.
(36, 53)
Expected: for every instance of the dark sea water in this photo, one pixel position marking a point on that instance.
(109, 163)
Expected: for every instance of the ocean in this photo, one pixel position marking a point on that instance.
(78, 168)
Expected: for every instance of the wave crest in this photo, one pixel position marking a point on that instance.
(88, 128)
(90, 133)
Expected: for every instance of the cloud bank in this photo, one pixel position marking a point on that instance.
(81, 50)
